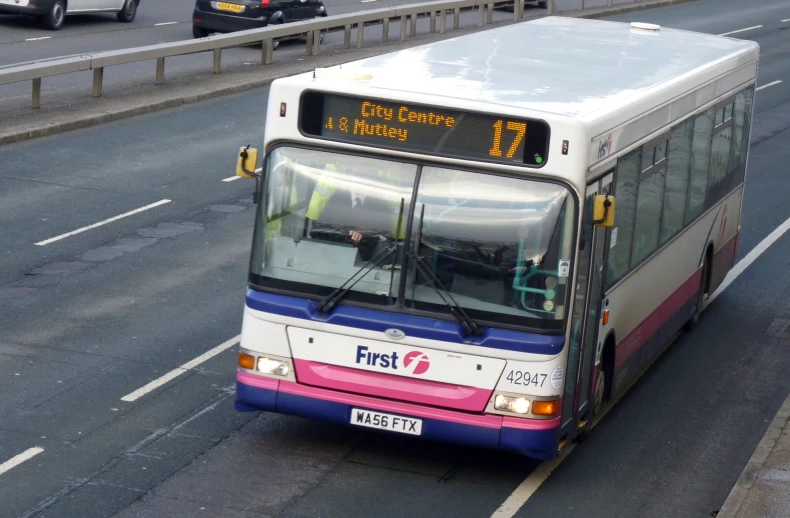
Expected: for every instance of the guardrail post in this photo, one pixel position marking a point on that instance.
(309, 44)
(490, 14)
(267, 51)
(550, 8)
(456, 17)
(609, 3)
(217, 60)
(37, 93)
(98, 75)
(385, 29)
(347, 37)
(481, 15)
(316, 42)
(443, 21)
(160, 71)
(581, 5)
(433, 21)
(413, 28)
(360, 34)
(403, 28)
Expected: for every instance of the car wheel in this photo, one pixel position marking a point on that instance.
(128, 12)
(199, 32)
(53, 20)
(543, 4)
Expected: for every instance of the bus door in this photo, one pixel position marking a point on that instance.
(594, 303)
(586, 310)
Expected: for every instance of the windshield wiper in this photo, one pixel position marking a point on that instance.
(469, 325)
(328, 302)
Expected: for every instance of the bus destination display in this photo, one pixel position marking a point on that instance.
(424, 129)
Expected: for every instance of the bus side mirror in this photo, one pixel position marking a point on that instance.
(603, 210)
(247, 162)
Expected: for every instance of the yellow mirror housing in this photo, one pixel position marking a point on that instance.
(603, 211)
(246, 164)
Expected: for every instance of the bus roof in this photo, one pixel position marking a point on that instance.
(578, 68)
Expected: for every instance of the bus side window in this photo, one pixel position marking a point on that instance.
(626, 180)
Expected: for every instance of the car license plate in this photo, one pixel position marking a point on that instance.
(393, 423)
(224, 6)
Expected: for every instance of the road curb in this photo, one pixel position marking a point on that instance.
(94, 119)
(751, 472)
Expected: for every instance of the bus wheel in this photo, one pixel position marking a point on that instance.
(703, 289)
(599, 393)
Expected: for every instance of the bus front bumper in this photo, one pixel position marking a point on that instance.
(537, 439)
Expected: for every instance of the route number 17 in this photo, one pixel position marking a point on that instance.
(519, 127)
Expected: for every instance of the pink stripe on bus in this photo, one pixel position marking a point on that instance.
(426, 392)
(530, 424)
(257, 381)
(642, 333)
(486, 421)
(649, 326)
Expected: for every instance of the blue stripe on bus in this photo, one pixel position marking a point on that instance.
(538, 444)
(420, 327)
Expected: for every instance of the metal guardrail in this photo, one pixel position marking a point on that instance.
(407, 15)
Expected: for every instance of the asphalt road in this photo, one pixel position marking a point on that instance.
(92, 317)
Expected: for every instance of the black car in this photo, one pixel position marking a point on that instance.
(238, 15)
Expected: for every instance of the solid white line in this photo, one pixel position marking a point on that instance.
(530, 484)
(164, 23)
(180, 370)
(39, 39)
(785, 21)
(752, 256)
(233, 178)
(100, 223)
(769, 84)
(741, 30)
(19, 459)
(527, 488)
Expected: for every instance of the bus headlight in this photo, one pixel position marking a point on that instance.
(519, 405)
(270, 366)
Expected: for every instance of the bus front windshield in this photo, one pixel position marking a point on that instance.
(500, 245)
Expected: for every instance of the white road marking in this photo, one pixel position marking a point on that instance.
(233, 178)
(19, 459)
(180, 370)
(39, 39)
(769, 84)
(741, 30)
(530, 484)
(100, 223)
(752, 256)
(527, 488)
(164, 23)
(785, 21)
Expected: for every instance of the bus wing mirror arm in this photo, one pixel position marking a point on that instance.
(246, 168)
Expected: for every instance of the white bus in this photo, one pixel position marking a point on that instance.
(464, 242)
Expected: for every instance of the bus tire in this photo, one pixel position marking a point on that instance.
(599, 392)
(692, 322)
